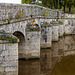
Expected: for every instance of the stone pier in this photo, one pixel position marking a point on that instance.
(32, 45)
(8, 58)
(46, 36)
(69, 27)
(55, 31)
(32, 42)
(61, 30)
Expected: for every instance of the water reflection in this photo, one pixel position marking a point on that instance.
(46, 61)
(64, 67)
(59, 60)
(29, 67)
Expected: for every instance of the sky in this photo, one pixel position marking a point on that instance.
(11, 1)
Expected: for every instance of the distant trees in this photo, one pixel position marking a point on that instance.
(55, 4)
(70, 4)
(27, 1)
(31, 1)
(58, 4)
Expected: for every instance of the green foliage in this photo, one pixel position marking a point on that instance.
(57, 22)
(45, 12)
(1, 31)
(55, 4)
(13, 40)
(8, 21)
(32, 27)
(20, 14)
(26, 1)
(35, 29)
(37, 3)
(59, 4)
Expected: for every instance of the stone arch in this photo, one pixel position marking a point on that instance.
(21, 44)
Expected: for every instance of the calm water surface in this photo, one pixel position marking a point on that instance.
(59, 60)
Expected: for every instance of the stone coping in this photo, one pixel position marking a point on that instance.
(46, 25)
(5, 37)
(4, 41)
(55, 24)
(25, 5)
(24, 19)
(33, 30)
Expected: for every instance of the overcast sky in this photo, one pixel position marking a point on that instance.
(11, 1)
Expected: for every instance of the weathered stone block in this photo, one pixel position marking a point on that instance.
(46, 37)
(55, 30)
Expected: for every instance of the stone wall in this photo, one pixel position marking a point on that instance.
(11, 10)
(8, 58)
(69, 26)
(13, 27)
(46, 37)
(50, 57)
(55, 31)
(69, 15)
(61, 30)
(32, 45)
(64, 47)
(69, 45)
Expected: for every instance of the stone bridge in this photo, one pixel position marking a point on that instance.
(16, 20)
(30, 42)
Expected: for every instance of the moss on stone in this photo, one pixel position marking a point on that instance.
(11, 39)
(33, 27)
(56, 22)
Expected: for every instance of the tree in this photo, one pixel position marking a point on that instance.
(27, 1)
(70, 3)
(44, 2)
(60, 4)
(56, 4)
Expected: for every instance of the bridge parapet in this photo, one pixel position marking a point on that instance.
(9, 11)
(29, 45)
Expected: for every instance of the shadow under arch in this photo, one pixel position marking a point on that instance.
(21, 44)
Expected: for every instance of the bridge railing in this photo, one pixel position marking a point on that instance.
(25, 10)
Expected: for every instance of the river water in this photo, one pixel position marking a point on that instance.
(59, 60)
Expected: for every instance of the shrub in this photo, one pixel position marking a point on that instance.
(20, 14)
(11, 39)
(8, 21)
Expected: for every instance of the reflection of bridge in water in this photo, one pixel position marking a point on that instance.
(64, 47)
(49, 57)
